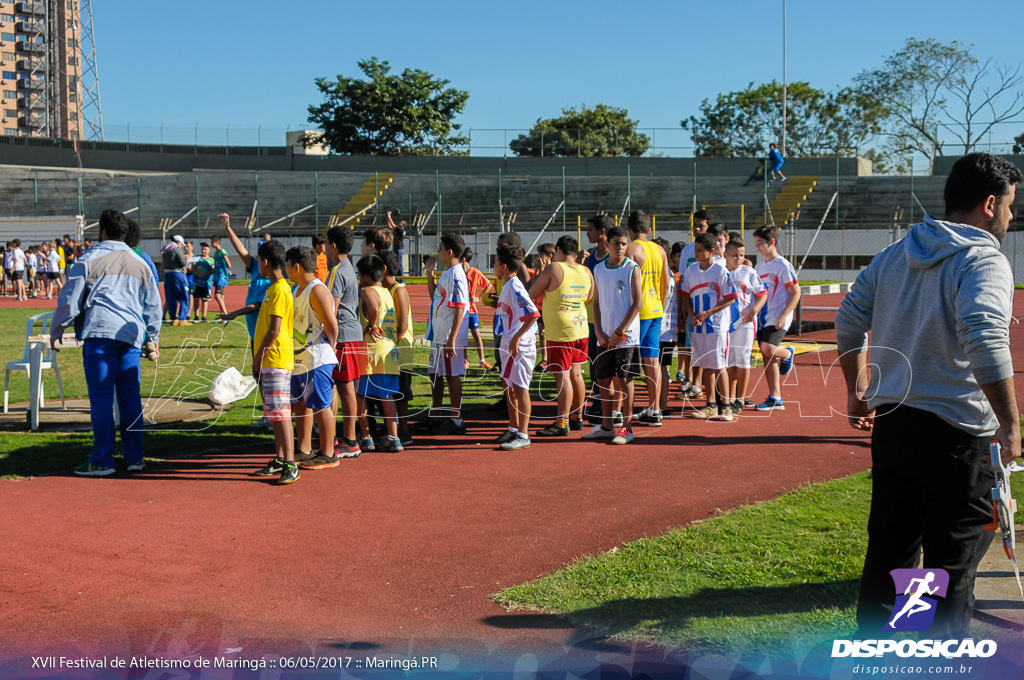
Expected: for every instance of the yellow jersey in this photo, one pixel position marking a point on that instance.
(404, 343)
(652, 273)
(564, 310)
(381, 355)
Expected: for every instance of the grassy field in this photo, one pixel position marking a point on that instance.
(778, 575)
(190, 357)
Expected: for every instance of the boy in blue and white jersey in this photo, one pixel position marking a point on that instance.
(708, 292)
(518, 350)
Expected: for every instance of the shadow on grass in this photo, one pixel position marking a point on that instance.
(663, 616)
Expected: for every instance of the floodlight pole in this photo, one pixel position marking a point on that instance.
(784, 98)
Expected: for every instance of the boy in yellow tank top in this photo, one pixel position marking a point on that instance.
(403, 340)
(656, 279)
(567, 287)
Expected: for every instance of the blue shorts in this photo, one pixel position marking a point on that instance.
(650, 338)
(219, 280)
(474, 321)
(381, 386)
(314, 387)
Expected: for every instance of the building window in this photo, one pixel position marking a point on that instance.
(10, 113)
(73, 84)
(71, 4)
(7, 37)
(7, 17)
(71, 43)
(9, 94)
(10, 75)
(71, 24)
(9, 56)
(73, 98)
(72, 61)
(11, 133)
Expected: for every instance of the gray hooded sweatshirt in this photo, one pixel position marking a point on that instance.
(938, 303)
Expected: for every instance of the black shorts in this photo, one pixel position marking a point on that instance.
(405, 386)
(665, 355)
(53, 276)
(621, 362)
(771, 335)
(201, 292)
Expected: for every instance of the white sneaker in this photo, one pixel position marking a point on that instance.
(623, 436)
(515, 444)
(598, 432)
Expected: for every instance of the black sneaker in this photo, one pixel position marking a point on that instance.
(498, 406)
(506, 436)
(737, 407)
(649, 418)
(617, 419)
(289, 474)
(303, 457)
(275, 467)
(553, 430)
(320, 462)
(575, 424)
(448, 427)
(594, 414)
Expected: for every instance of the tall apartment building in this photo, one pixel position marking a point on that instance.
(41, 68)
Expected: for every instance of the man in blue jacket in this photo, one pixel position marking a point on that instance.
(113, 301)
(938, 305)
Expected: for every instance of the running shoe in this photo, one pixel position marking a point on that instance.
(598, 432)
(348, 450)
(391, 445)
(135, 467)
(90, 470)
(771, 404)
(506, 436)
(307, 456)
(320, 462)
(366, 444)
(648, 417)
(290, 474)
(623, 436)
(575, 424)
(516, 444)
(724, 414)
(448, 427)
(485, 365)
(786, 365)
(275, 467)
(553, 430)
(706, 412)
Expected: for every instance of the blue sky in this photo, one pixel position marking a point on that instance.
(232, 67)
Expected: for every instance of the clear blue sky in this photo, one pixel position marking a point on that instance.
(222, 63)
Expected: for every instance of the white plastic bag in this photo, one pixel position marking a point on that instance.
(231, 386)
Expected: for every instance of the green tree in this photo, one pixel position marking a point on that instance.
(389, 115)
(1018, 143)
(938, 91)
(742, 124)
(598, 131)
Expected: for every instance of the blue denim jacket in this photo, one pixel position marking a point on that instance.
(110, 294)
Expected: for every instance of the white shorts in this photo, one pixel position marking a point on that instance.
(741, 341)
(442, 365)
(710, 350)
(518, 370)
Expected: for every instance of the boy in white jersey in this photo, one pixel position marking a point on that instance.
(742, 329)
(618, 299)
(706, 292)
(518, 348)
(779, 279)
(314, 331)
(688, 375)
(450, 329)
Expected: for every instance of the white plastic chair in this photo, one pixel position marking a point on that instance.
(49, 359)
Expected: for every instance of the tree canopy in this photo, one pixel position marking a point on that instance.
(598, 131)
(742, 124)
(935, 91)
(389, 115)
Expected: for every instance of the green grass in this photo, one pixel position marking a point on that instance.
(773, 576)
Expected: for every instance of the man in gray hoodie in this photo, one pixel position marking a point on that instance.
(938, 305)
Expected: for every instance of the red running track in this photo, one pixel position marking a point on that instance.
(390, 552)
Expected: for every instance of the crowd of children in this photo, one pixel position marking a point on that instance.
(38, 271)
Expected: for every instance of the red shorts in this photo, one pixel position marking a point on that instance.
(350, 357)
(563, 355)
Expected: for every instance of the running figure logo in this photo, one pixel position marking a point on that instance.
(914, 610)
